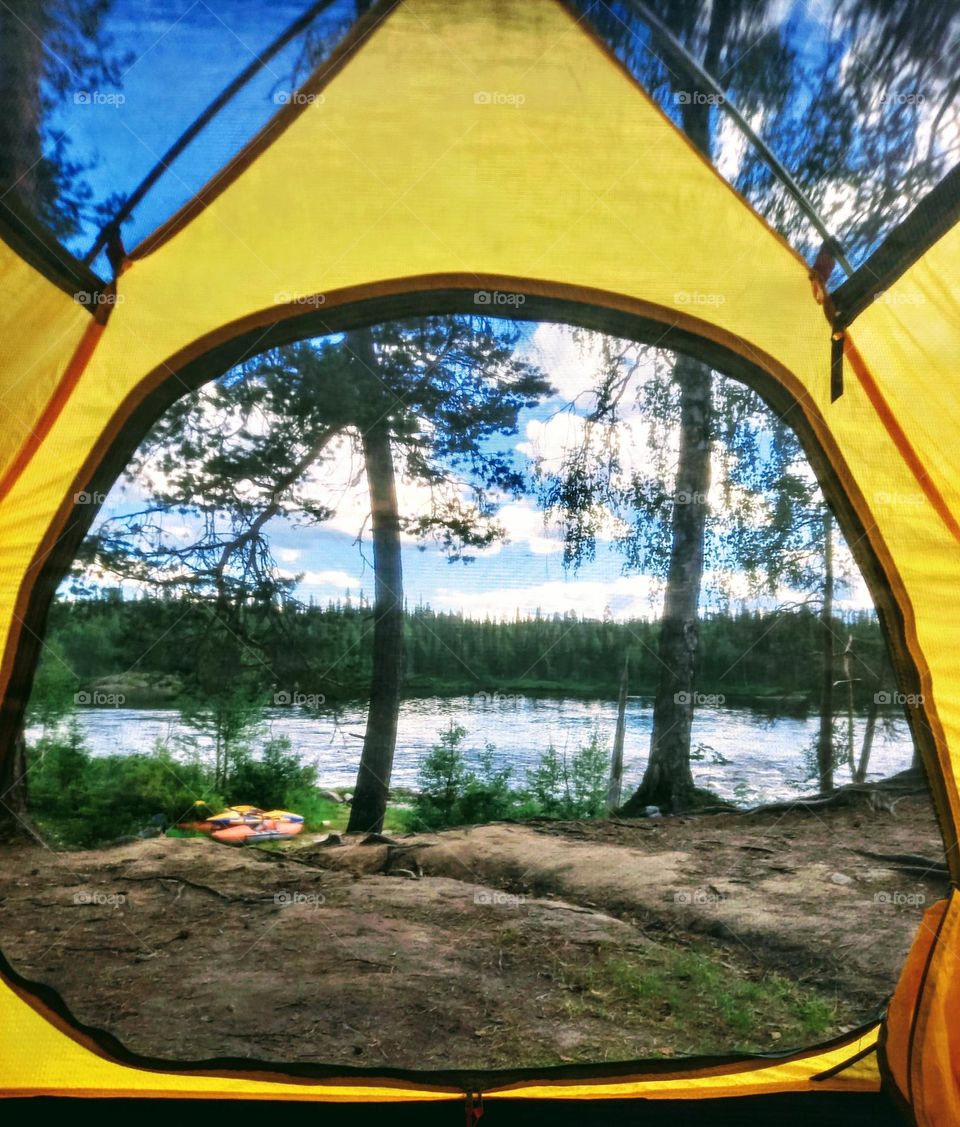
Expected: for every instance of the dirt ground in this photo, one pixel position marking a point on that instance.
(495, 946)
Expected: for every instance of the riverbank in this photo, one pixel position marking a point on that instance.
(151, 691)
(497, 946)
(743, 755)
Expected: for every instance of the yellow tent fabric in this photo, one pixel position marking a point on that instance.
(492, 155)
(43, 328)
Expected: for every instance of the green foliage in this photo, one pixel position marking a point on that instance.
(749, 657)
(454, 794)
(574, 787)
(80, 800)
(83, 800)
(54, 687)
(451, 794)
(270, 780)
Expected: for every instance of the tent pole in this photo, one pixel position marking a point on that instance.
(112, 229)
(677, 49)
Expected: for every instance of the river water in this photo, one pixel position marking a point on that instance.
(745, 756)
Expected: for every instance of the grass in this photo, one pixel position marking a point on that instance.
(695, 994)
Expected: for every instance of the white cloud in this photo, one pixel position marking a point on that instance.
(633, 596)
(333, 578)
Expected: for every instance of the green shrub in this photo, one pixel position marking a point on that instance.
(270, 780)
(453, 795)
(84, 800)
(574, 787)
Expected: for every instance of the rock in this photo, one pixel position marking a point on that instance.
(652, 812)
(841, 878)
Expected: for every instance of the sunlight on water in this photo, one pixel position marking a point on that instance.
(746, 757)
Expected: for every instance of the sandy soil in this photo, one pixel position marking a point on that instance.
(498, 946)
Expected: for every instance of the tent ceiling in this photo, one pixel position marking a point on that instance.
(176, 56)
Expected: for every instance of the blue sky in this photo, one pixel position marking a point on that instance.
(522, 574)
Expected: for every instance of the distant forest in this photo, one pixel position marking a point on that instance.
(152, 650)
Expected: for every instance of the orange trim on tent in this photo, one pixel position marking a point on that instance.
(68, 381)
(900, 440)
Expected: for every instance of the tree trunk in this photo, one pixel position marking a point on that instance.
(616, 761)
(22, 24)
(848, 677)
(825, 738)
(867, 746)
(668, 780)
(13, 789)
(380, 739)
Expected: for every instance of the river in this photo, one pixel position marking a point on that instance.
(746, 757)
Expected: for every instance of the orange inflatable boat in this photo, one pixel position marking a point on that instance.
(274, 825)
